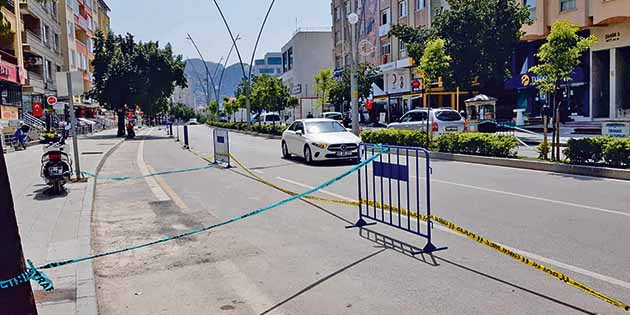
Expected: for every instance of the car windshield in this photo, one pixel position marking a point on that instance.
(448, 115)
(324, 127)
(272, 117)
(335, 116)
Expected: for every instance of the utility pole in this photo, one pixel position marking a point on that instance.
(353, 18)
(73, 124)
(18, 299)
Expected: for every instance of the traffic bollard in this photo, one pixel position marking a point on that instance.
(186, 142)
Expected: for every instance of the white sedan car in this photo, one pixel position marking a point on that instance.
(319, 140)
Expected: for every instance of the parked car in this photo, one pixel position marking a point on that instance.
(192, 122)
(333, 115)
(318, 140)
(267, 119)
(440, 120)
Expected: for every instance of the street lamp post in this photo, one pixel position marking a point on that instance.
(353, 19)
(209, 78)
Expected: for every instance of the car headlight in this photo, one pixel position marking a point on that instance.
(320, 145)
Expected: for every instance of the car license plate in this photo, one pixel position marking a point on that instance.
(344, 153)
(55, 171)
(452, 128)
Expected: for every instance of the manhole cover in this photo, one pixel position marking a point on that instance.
(91, 153)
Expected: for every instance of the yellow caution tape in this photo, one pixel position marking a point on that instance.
(452, 226)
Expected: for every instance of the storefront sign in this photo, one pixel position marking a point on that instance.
(9, 112)
(612, 37)
(616, 129)
(398, 81)
(528, 79)
(8, 72)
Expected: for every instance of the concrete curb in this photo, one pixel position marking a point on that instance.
(86, 302)
(602, 172)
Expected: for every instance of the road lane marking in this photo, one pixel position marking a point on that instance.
(169, 191)
(311, 187)
(564, 203)
(153, 185)
(258, 171)
(533, 256)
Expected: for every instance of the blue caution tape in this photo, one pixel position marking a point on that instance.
(125, 178)
(31, 273)
(34, 274)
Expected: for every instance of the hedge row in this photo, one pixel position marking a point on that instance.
(475, 143)
(609, 151)
(407, 138)
(265, 129)
(463, 143)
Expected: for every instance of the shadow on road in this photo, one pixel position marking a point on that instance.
(322, 280)
(516, 286)
(578, 177)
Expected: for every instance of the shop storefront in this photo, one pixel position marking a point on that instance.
(10, 91)
(610, 73)
(575, 93)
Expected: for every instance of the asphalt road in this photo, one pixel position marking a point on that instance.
(299, 258)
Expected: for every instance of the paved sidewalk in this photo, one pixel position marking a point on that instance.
(58, 228)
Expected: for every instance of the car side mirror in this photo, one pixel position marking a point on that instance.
(299, 133)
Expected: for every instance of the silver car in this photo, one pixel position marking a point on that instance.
(440, 120)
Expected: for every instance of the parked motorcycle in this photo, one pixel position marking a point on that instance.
(56, 167)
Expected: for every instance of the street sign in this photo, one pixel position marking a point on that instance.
(62, 83)
(51, 100)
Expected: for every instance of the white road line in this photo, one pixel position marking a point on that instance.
(570, 204)
(533, 256)
(258, 171)
(310, 187)
(153, 185)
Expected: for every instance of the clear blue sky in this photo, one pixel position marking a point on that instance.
(170, 20)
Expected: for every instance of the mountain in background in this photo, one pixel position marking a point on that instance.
(196, 74)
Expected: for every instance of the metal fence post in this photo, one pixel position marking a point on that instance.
(186, 140)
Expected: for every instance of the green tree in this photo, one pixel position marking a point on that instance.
(433, 64)
(414, 38)
(267, 94)
(213, 107)
(324, 83)
(127, 73)
(559, 57)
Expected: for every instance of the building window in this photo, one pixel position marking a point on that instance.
(531, 5)
(420, 5)
(56, 42)
(46, 34)
(403, 49)
(385, 17)
(276, 61)
(348, 8)
(567, 5)
(338, 62)
(337, 37)
(285, 61)
(259, 62)
(290, 56)
(73, 58)
(48, 70)
(402, 8)
(386, 49)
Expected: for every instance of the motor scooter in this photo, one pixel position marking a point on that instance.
(56, 167)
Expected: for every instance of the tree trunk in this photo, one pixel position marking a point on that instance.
(557, 127)
(545, 139)
(121, 123)
(19, 299)
(553, 123)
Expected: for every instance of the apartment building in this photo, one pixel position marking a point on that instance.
(401, 85)
(102, 16)
(12, 74)
(41, 43)
(303, 57)
(271, 65)
(77, 35)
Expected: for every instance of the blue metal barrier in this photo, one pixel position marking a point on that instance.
(186, 141)
(394, 179)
